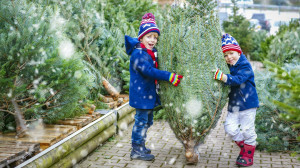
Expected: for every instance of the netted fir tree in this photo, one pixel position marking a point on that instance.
(41, 76)
(190, 45)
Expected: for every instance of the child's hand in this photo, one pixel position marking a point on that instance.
(218, 75)
(175, 79)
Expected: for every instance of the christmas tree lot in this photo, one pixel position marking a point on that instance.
(190, 46)
(58, 56)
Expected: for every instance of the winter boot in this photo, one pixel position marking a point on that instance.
(241, 145)
(147, 150)
(247, 158)
(138, 152)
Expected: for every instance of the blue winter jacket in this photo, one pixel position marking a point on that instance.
(142, 89)
(243, 93)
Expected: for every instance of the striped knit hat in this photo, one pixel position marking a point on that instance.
(148, 24)
(229, 44)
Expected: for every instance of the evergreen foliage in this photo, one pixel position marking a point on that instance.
(239, 27)
(133, 10)
(290, 89)
(93, 31)
(33, 69)
(275, 49)
(97, 28)
(257, 52)
(273, 133)
(84, 25)
(285, 46)
(190, 45)
(276, 133)
(122, 17)
(265, 47)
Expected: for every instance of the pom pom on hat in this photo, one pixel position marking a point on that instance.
(230, 44)
(148, 24)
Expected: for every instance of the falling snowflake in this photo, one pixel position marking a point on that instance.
(172, 160)
(77, 74)
(66, 49)
(194, 107)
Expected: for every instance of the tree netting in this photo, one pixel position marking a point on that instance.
(190, 45)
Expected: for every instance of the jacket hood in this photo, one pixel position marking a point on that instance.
(130, 44)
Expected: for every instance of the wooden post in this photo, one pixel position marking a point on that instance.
(78, 145)
(110, 89)
(85, 149)
(21, 127)
(92, 144)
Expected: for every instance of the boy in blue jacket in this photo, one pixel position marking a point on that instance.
(143, 83)
(243, 100)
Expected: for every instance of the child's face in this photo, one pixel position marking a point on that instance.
(231, 57)
(149, 40)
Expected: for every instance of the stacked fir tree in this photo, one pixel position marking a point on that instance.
(54, 54)
(41, 75)
(278, 118)
(190, 45)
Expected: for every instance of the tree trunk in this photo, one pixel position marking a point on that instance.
(110, 89)
(21, 127)
(77, 154)
(105, 99)
(190, 154)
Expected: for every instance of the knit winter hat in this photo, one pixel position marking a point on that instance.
(229, 43)
(148, 24)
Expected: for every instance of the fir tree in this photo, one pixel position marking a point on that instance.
(257, 52)
(285, 47)
(122, 17)
(39, 68)
(84, 27)
(274, 133)
(190, 45)
(290, 88)
(239, 28)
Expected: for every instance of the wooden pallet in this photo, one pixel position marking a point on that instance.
(46, 136)
(13, 153)
(125, 98)
(81, 121)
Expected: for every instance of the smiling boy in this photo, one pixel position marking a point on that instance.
(243, 100)
(143, 88)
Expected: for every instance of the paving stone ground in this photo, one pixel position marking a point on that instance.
(218, 151)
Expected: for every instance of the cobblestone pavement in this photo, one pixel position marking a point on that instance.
(218, 151)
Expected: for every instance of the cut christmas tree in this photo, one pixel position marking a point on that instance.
(190, 45)
(41, 76)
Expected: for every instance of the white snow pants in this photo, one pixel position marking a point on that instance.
(240, 126)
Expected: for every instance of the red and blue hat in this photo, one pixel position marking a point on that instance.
(148, 24)
(230, 44)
